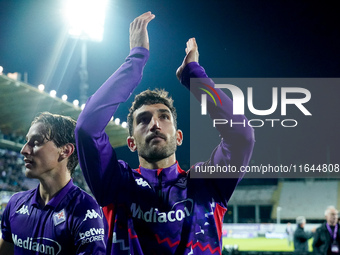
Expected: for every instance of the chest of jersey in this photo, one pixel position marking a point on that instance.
(170, 214)
(43, 231)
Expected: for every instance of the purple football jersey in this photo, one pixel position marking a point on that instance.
(70, 223)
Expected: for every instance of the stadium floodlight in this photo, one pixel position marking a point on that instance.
(124, 124)
(53, 93)
(117, 121)
(41, 87)
(64, 97)
(86, 18)
(76, 102)
(1, 69)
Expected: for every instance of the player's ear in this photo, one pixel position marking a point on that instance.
(66, 150)
(179, 137)
(131, 143)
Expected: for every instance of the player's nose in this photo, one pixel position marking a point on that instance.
(154, 123)
(26, 149)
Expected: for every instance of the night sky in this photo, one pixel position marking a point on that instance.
(238, 39)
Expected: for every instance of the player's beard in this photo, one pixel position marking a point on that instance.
(157, 152)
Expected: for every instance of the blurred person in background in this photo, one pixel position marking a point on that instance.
(290, 233)
(57, 217)
(327, 236)
(301, 236)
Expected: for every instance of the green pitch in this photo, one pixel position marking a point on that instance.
(262, 244)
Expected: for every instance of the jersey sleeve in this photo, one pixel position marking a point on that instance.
(102, 171)
(237, 141)
(6, 216)
(88, 227)
(5, 223)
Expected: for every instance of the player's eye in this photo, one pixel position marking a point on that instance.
(165, 116)
(143, 118)
(37, 143)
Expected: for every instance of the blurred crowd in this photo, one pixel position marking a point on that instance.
(12, 171)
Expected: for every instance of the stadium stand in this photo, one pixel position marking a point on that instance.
(308, 198)
(11, 169)
(21, 102)
(251, 204)
(247, 195)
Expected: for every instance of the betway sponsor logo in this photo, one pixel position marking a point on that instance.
(179, 211)
(92, 232)
(92, 235)
(40, 244)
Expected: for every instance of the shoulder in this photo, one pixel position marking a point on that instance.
(299, 230)
(17, 201)
(320, 230)
(322, 227)
(82, 205)
(83, 200)
(124, 164)
(82, 197)
(20, 197)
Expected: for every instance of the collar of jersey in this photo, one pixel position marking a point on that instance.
(56, 199)
(167, 174)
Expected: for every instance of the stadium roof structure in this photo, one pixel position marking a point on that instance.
(21, 102)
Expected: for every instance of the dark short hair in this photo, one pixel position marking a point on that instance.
(60, 130)
(148, 97)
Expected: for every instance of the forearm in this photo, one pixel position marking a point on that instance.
(304, 236)
(309, 234)
(96, 156)
(101, 106)
(231, 133)
(237, 141)
(238, 138)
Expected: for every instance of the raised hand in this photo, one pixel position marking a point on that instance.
(191, 56)
(138, 30)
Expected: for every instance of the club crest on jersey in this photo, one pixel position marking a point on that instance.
(59, 217)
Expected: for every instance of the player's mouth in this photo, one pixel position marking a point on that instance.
(28, 163)
(155, 137)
